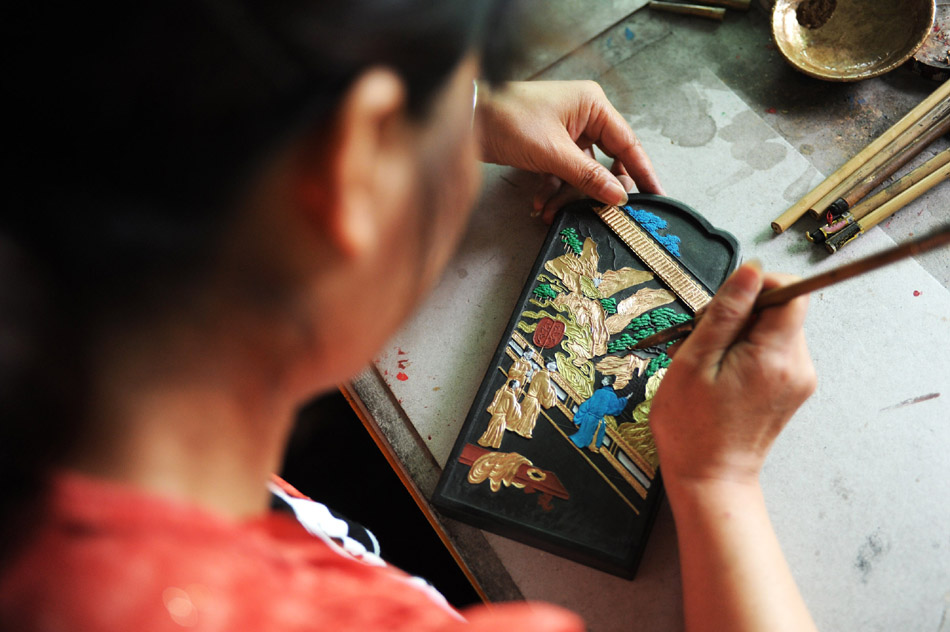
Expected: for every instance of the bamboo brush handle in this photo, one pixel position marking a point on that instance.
(920, 129)
(890, 207)
(851, 232)
(713, 13)
(896, 162)
(795, 211)
(741, 5)
(893, 190)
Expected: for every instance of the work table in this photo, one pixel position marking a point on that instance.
(858, 485)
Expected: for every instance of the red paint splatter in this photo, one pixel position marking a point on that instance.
(916, 292)
(771, 110)
(400, 351)
(430, 437)
(403, 364)
(402, 377)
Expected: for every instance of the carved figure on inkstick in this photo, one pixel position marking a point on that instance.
(504, 409)
(590, 416)
(541, 394)
(521, 368)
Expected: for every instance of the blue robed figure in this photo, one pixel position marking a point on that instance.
(590, 416)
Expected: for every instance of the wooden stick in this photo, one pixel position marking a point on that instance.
(886, 194)
(795, 211)
(784, 294)
(905, 182)
(894, 163)
(875, 217)
(741, 5)
(934, 122)
(884, 211)
(712, 13)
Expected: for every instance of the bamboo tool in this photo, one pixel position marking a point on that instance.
(875, 217)
(910, 143)
(783, 294)
(713, 13)
(895, 162)
(886, 194)
(741, 5)
(795, 211)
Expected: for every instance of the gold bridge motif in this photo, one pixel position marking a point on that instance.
(655, 258)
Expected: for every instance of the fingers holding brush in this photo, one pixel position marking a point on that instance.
(744, 373)
(720, 323)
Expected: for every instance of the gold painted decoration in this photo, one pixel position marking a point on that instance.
(613, 281)
(511, 469)
(569, 268)
(540, 395)
(623, 369)
(637, 434)
(627, 476)
(639, 437)
(642, 412)
(504, 409)
(519, 370)
(619, 444)
(499, 468)
(655, 258)
(588, 315)
(631, 307)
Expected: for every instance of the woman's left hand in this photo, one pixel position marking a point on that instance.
(551, 127)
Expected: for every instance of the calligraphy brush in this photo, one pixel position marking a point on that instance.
(780, 295)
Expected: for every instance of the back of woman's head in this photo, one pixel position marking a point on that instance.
(135, 127)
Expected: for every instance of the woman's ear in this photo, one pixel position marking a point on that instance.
(352, 192)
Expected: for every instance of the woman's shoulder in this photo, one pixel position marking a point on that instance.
(114, 558)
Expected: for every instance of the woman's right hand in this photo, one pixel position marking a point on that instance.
(731, 388)
(733, 385)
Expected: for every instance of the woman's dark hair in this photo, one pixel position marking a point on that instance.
(134, 127)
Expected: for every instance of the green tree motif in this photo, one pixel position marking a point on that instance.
(646, 325)
(572, 240)
(545, 291)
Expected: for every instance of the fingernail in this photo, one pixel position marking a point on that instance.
(746, 279)
(612, 190)
(628, 184)
(755, 264)
(535, 212)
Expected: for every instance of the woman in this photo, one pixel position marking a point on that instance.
(222, 208)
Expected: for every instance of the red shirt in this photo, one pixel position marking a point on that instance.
(110, 557)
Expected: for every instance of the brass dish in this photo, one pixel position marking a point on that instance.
(848, 40)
